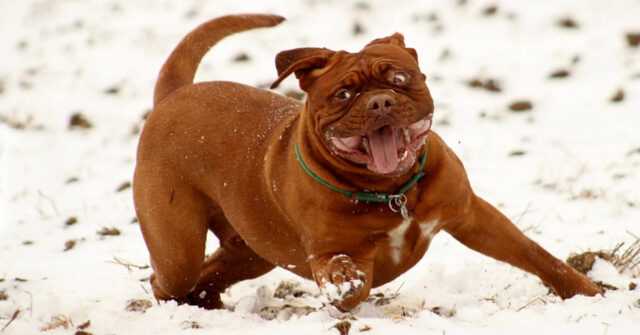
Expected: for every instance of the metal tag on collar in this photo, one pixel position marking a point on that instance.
(398, 203)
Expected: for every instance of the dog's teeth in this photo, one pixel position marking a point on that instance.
(365, 144)
(405, 153)
(407, 136)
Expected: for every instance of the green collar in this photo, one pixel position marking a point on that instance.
(398, 199)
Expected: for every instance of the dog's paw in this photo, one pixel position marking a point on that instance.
(341, 280)
(575, 283)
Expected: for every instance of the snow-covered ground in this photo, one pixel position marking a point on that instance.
(566, 171)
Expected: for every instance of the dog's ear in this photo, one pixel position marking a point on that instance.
(395, 39)
(300, 61)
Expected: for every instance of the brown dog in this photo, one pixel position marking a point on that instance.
(347, 189)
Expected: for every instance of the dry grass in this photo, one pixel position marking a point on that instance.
(627, 258)
(624, 259)
(130, 266)
(13, 318)
(57, 321)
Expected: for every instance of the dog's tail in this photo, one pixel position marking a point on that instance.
(180, 68)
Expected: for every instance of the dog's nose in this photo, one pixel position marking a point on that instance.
(380, 103)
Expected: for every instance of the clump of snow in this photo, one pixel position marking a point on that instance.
(341, 286)
(606, 272)
(338, 292)
(565, 171)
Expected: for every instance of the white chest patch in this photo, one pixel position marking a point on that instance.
(429, 228)
(396, 239)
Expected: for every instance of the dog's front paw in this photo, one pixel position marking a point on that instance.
(341, 281)
(573, 282)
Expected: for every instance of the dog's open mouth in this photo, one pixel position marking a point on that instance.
(386, 150)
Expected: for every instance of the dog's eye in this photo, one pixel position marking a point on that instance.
(343, 95)
(399, 78)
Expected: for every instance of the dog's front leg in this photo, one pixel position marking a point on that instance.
(343, 280)
(484, 229)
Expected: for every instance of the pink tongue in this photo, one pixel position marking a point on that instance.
(384, 150)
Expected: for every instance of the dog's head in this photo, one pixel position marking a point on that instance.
(371, 108)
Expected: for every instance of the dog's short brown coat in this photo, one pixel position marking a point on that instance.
(220, 156)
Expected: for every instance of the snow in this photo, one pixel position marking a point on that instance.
(567, 172)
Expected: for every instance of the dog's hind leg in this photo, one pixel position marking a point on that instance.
(174, 222)
(232, 262)
(173, 218)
